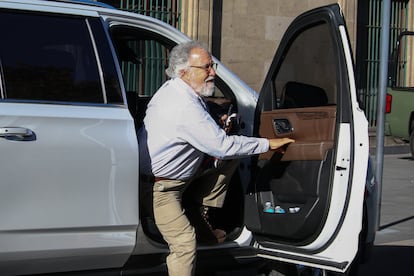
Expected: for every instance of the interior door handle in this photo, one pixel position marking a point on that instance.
(17, 134)
(282, 126)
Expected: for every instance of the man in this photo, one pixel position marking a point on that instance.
(177, 134)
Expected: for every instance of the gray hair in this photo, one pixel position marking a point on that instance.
(179, 56)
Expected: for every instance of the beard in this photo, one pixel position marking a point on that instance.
(208, 89)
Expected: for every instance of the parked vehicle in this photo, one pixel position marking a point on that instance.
(71, 82)
(400, 93)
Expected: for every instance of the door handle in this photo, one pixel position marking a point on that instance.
(17, 134)
(282, 126)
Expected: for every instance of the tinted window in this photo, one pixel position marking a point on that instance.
(307, 76)
(50, 58)
(112, 85)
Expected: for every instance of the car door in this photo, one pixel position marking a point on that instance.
(69, 159)
(315, 186)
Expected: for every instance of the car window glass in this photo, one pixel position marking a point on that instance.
(51, 58)
(143, 57)
(111, 79)
(307, 76)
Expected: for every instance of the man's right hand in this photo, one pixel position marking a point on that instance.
(277, 143)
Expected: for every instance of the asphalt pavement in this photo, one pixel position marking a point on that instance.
(393, 252)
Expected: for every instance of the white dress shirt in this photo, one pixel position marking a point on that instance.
(178, 131)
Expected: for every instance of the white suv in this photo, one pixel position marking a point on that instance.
(74, 83)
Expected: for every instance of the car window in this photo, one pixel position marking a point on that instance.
(307, 78)
(53, 59)
(143, 57)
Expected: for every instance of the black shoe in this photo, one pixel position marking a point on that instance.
(234, 234)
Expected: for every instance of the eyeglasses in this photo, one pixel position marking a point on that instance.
(206, 67)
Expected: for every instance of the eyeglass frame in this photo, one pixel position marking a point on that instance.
(206, 67)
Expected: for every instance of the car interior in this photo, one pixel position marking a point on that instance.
(296, 180)
(300, 104)
(141, 52)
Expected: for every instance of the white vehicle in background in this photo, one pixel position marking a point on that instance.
(71, 82)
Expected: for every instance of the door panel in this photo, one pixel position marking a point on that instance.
(313, 129)
(300, 186)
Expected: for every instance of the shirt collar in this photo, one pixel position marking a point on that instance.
(188, 89)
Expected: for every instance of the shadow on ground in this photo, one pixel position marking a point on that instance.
(389, 260)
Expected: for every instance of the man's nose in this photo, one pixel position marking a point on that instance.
(212, 72)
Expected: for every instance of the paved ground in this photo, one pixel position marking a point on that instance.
(394, 245)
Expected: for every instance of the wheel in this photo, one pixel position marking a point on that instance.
(412, 144)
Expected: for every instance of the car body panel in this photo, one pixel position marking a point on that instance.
(60, 199)
(401, 116)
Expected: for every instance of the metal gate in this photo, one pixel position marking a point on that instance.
(368, 50)
(164, 10)
(147, 76)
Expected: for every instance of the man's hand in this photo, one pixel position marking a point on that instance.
(223, 120)
(227, 122)
(277, 143)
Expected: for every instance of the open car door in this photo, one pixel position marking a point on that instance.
(315, 188)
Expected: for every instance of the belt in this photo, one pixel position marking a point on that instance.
(160, 178)
(152, 179)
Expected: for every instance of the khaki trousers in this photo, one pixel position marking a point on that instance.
(208, 188)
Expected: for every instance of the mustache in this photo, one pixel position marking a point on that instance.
(209, 79)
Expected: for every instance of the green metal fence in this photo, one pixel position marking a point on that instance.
(164, 10)
(147, 76)
(398, 22)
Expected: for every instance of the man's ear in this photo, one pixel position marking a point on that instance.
(184, 75)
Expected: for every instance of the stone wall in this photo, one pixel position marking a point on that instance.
(251, 30)
(251, 33)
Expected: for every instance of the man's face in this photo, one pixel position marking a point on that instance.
(200, 75)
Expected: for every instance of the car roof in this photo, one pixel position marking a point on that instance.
(85, 2)
(84, 7)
